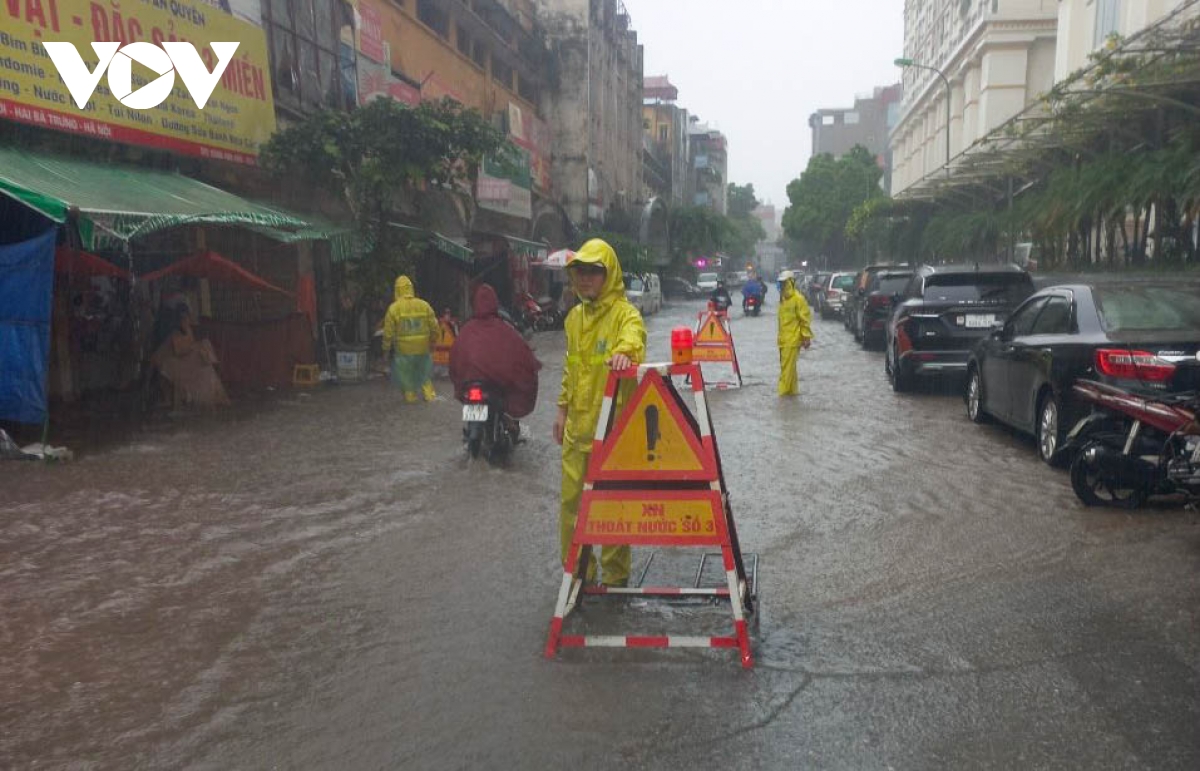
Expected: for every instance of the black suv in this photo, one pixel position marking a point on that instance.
(943, 312)
(857, 297)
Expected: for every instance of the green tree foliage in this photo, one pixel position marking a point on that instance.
(824, 198)
(374, 155)
(741, 201)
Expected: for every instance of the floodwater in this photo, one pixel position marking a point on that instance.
(329, 584)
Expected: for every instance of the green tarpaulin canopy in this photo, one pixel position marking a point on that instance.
(120, 203)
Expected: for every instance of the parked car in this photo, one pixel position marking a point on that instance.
(885, 287)
(1130, 335)
(832, 298)
(707, 281)
(680, 289)
(737, 278)
(857, 295)
(944, 311)
(644, 292)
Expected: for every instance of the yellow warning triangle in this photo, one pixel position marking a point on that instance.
(712, 331)
(652, 436)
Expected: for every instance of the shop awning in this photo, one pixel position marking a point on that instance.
(77, 262)
(122, 202)
(536, 251)
(440, 242)
(214, 267)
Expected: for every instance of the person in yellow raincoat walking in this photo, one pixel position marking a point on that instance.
(410, 328)
(795, 332)
(604, 332)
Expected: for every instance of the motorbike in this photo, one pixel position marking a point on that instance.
(540, 315)
(1135, 445)
(720, 303)
(487, 429)
(751, 305)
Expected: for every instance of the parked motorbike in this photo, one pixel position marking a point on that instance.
(487, 430)
(751, 305)
(1135, 445)
(540, 315)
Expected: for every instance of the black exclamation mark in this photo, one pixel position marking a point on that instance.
(712, 329)
(651, 431)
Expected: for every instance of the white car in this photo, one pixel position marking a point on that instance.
(708, 281)
(644, 292)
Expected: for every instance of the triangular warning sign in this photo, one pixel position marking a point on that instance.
(712, 332)
(653, 440)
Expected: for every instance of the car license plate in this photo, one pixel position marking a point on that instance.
(980, 320)
(475, 413)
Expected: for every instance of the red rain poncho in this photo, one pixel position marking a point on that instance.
(488, 349)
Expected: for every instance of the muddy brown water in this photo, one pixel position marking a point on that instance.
(328, 584)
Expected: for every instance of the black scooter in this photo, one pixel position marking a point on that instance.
(486, 427)
(751, 305)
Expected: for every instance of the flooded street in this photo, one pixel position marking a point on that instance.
(329, 584)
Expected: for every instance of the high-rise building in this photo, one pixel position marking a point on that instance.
(1085, 25)
(594, 107)
(665, 125)
(867, 123)
(997, 56)
(708, 173)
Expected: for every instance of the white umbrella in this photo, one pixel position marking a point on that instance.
(558, 260)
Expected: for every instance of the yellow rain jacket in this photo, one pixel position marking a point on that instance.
(410, 325)
(795, 317)
(595, 331)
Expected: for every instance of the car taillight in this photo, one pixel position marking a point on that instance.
(879, 301)
(832, 294)
(475, 394)
(1133, 365)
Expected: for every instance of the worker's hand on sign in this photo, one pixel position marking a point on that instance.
(619, 361)
(560, 424)
(807, 344)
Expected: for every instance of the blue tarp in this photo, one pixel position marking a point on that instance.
(26, 286)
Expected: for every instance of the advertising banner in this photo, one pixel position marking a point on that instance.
(533, 135)
(238, 116)
(504, 184)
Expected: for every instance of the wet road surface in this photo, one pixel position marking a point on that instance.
(328, 584)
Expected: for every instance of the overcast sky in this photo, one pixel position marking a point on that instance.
(757, 69)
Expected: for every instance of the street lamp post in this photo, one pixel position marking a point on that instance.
(904, 62)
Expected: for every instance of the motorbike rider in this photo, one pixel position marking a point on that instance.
(795, 332)
(754, 288)
(489, 350)
(604, 332)
(720, 297)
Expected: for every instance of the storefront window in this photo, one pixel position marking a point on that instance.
(304, 43)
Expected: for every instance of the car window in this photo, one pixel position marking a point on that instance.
(1055, 318)
(707, 277)
(1021, 322)
(844, 281)
(634, 284)
(892, 284)
(977, 287)
(1149, 308)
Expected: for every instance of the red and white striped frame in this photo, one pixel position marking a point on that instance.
(572, 587)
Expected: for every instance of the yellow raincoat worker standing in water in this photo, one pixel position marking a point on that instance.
(411, 328)
(604, 332)
(795, 332)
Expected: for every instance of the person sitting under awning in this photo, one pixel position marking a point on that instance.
(188, 365)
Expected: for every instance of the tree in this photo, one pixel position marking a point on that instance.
(824, 198)
(742, 201)
(374, 156)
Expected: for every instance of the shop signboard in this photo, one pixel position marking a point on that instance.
(504, 183)
(237, 118)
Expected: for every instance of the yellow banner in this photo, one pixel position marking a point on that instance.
(239, 116)
(653, 518)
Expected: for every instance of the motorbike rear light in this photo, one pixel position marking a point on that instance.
(475, 395)
(1133, 365)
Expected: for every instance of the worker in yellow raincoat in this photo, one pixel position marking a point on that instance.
(795, 332)
(604, 332)
(410, 328)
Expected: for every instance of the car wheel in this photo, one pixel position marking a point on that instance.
(974, 397)
(901, 380)
(1049, 431)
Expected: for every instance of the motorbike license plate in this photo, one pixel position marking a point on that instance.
(980, 320)
(475, 413)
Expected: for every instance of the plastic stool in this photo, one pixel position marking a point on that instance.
(304, 375)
